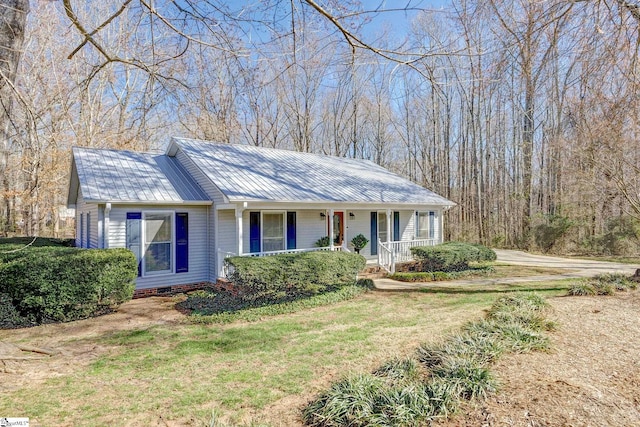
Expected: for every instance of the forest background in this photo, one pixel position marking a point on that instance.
(525, 113)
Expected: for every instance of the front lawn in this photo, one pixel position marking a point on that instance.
(263, 372)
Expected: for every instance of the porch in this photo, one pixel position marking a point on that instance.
(389, 253)
(264, 230)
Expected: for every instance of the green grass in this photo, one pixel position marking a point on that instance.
(183, 372)
(406, 392)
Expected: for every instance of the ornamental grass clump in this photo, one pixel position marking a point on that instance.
(581, 288)
(408, 392)
(365, 400)
(602, 284)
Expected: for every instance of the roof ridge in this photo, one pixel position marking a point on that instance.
(281, 150)
(78, 147)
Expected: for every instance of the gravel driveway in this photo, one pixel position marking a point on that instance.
(576, 268)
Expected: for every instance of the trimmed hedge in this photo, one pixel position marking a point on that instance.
(55, 284)
(282, 277)
(438, 276)
(451, 256)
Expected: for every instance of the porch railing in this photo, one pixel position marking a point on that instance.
(390, 253)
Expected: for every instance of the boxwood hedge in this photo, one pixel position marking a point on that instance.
(276, 278)
(451, 256)
(52, 284)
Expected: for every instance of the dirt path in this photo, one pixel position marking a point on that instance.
(590, 378)
(74, 342)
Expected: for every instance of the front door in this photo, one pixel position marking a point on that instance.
(338, 228)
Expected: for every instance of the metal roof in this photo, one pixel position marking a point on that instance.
(131, 177)
(249, 173)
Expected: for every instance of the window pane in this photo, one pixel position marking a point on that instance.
(158, 257)
(158, 228)
(158, 239)
(382, 226)
(273, 232)
(423, 225)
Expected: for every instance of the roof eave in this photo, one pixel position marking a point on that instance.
(446, 204)
(152, 202)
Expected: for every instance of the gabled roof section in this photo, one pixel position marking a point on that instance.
(130, 177)
(249, 173)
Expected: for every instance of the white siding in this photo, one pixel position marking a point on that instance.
(227, 231)
(309, 228)
(407, 225)
(359, 224)
(91, 209)
(198, 244)
(212, 191)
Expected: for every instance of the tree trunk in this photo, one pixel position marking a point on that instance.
(12, 25)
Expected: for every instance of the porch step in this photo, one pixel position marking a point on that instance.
(372, 272)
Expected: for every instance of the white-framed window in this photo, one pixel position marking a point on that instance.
(425, 225)
(273, 231)
(382, 226)
(158, 242)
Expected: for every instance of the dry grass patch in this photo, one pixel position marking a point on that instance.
(591, 378)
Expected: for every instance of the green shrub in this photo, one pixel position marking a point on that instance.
(413, 277)
(435, 276)
(451, 256)
(12, 243)
(60, 284)
(289, 276)
(552, 228)
(9, 316)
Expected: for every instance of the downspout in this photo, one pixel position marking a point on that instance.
(105, 231)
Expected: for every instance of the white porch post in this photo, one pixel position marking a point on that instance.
(389, 236)
(239, 235)
(331, 237)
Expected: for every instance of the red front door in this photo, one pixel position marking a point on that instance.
(338, 228)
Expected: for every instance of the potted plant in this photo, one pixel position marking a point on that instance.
(359, 242)
(323, 242)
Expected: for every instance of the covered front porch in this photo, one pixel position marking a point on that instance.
(266, 230)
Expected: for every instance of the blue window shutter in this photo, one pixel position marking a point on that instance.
(88, 230)
(182, 242)
(291, 230)
(374, 233)
(134, 233)
(396, 227)
(254, 232)
(432, 225)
